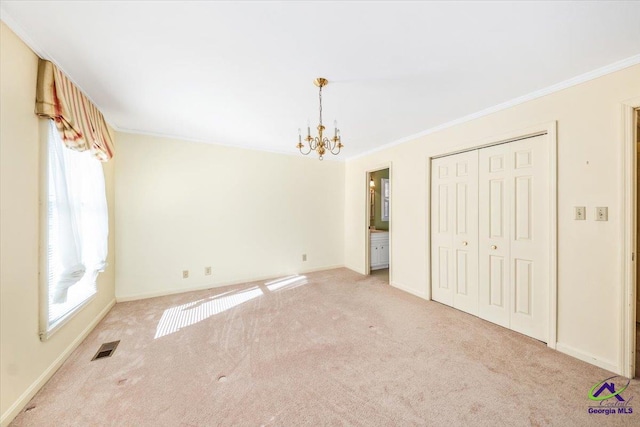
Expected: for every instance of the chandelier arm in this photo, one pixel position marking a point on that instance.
(327, 143)
(336, 147)
(302, 152)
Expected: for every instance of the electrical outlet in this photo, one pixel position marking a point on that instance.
(304, 257)
(602, 213)
(207, 271)
(581, 213)
(185, 274)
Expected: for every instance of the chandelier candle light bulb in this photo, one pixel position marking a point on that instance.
(320, 144)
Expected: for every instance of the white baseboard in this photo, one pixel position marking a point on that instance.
(173, 291)
(587, 357)
(22, 401)
(145, 295)
(422, 295)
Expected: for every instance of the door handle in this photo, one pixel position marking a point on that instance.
(465, 243)
(494, 247)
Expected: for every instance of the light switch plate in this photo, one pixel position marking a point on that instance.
(602, 213)
(581, 213)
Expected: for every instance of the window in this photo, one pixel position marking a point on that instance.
(385, 199)
(75, 231)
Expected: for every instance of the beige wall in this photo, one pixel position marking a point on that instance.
(247, 214)
(26, 362)
(589, 174)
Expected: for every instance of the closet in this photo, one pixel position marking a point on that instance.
(490, 234)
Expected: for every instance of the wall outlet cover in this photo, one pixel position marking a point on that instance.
(602, 213)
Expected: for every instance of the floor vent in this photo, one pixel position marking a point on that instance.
(106, 350)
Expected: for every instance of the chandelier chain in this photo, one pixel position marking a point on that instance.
(320, 97)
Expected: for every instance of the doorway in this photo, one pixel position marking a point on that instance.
(378, 223)
(637, 189)
(628, 355)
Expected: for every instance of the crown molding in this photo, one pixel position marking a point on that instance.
(582, 78)
(291, 152)
(41, 53)
(611, 68)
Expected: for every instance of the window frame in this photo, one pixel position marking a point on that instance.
(46, 329)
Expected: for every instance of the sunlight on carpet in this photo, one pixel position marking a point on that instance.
(289, 282)
(175, 318)
(181, 316)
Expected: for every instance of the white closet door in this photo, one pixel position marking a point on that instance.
(454, 228)
(514, 235)
(441, 233)
(494, 199)
(530, 237)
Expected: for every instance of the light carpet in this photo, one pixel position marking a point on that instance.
(333, 348)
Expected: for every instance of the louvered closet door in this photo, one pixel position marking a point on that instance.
(454, 229)
(514, 235)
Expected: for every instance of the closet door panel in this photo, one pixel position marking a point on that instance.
(494, 221)
(442, 275)
(530, 237)
(465, 232)
(454, 231)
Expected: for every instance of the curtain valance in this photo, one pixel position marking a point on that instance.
(81, 125)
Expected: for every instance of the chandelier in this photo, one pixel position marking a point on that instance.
(320, 144)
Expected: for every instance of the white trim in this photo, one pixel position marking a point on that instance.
(292, 152)
(23, 35)
(586, 357)
(594, 74)
(41, 53)
(28, 394)
(427, 261)
(50, 330)
(590, 75)
(403, 288)
(552, 140)
(549, 129)
(627, 344)
(181, 290)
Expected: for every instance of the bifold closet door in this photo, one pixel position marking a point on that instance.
(514, 235)
(454, 231)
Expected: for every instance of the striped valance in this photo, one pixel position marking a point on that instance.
(81, 125)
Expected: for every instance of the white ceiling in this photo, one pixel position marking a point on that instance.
(240, 73)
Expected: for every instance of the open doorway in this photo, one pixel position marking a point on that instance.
(630, 298)
(379, 220)
(637, 329)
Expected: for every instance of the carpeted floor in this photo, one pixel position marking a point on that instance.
(334, 348)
